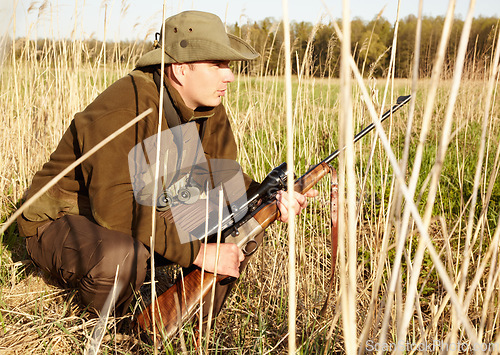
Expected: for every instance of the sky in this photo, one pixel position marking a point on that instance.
(133, 20)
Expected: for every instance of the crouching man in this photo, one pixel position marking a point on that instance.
(95, 220)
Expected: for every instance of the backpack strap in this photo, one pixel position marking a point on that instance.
(174, 120)
(171, 114)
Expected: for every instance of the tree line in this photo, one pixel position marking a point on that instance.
(316, 48)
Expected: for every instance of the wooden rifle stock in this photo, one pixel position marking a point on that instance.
(179, 303)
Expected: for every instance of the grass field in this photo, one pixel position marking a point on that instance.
(443, 295)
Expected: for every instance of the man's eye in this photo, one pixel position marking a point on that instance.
(221, 65)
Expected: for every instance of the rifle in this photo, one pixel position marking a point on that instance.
(176, 306)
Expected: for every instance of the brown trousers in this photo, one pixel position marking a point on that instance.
(83, 255)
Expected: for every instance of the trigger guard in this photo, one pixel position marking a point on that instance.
(228, 280)
(253, 244)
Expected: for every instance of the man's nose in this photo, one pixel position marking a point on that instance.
(228, 75)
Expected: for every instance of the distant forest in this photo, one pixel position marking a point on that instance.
(316, 48)
(371, 44)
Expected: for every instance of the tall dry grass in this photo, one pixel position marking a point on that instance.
(422, 235)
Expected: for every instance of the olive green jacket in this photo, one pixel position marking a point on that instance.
(100, 188)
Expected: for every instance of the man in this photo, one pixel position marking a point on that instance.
(92, 225)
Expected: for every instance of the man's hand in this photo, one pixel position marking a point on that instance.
(299, 202)
(230, 257)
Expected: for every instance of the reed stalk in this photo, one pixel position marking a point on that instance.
(292, 307)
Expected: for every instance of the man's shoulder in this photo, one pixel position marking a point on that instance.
(140, 78)
(132, 89)
(123, 100)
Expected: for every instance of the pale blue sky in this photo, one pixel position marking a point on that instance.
(142, 18)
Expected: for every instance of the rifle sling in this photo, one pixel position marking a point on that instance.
(173, 120)
(334, 192)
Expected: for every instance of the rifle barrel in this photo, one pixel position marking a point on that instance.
(399, 103)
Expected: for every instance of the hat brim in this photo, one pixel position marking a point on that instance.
(201, 51)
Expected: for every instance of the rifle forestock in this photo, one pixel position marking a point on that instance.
(311, 177)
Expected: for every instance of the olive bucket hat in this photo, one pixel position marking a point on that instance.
(193, 36)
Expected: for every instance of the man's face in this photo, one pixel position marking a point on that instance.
(205, 83)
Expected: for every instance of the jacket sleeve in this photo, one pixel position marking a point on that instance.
(107, 176)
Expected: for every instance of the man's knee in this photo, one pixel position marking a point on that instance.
(121, 269)
(125, 258)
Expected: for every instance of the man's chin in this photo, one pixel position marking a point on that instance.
(216, 102)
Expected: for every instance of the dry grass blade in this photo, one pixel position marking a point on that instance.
(217, 256)
(347, 238)
(157, 177)
(95, 340)
(292, 307)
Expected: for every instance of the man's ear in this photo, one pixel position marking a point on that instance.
(178, 71)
